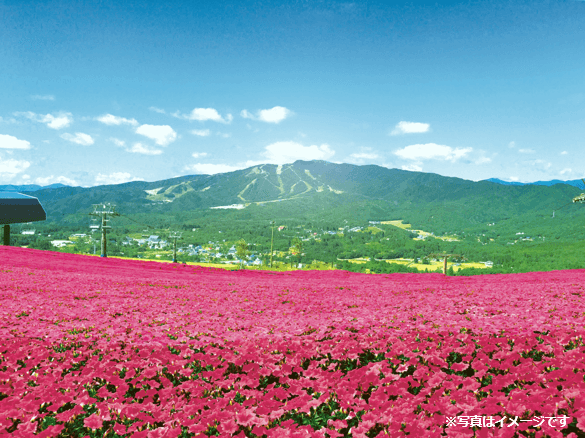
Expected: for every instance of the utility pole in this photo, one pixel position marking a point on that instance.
(175, 235)
(7, 235)
(445, 257)
(271, 243)
(104, 210)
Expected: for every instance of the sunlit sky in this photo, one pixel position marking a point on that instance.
(102, 92)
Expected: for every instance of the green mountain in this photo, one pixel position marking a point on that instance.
(28, 187)
(574, 182)
(317, 190)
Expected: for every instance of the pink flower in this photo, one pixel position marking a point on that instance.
(227, 426)
(402, 368)
(51, 431)
(459, 366)
(93, 422)
(158, 432)
(248, 418)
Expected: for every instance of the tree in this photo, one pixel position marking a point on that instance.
(41, 243)
(297, 249)
(242, 251)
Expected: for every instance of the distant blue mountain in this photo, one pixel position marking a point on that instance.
(29, 187)
(575, 183)
(505, 183)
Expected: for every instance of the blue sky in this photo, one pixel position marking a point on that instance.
(108, 92)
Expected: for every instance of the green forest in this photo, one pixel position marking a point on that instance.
(335, 211)
(513, 246)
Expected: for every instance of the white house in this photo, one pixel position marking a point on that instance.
(60, 243)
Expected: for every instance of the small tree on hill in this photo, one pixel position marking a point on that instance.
(242, 251)
(297, 249)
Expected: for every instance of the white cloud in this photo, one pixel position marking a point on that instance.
(526, 151)
(79, 138)
(43, 97)
(8, 121)
(514, 179)
(199, 154)
(430, 151)
(410, 128)
(565, 171)
(115, 178)
(204, 114)
(157, 110)
(283, 152)
(61, 120)
(483, 160)
(212, 169)
(413, 168)
(9, 168)
(201, 132)
(564, 153)
(139, 148)
(542, 164)
(110, 119)
(224, 135)
(118, 142)
(45, 181)
(512, 144)
(161, 134)
(364, 156)
(10, 142)
(272, 115)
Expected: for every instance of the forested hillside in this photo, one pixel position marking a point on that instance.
(338, 211)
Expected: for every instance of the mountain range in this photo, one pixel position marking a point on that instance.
(314, 190)
(28, 187)
(575, 182)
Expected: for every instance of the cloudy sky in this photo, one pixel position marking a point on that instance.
(103, 92)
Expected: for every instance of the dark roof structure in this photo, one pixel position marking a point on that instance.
(18, 208)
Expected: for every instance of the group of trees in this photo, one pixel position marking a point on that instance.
(553, 244)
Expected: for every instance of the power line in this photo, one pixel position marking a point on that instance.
(174, 235)
(580, 199)
(139, 223)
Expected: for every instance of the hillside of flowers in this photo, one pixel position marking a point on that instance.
(96, 347)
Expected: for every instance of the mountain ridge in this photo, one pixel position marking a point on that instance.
(575, 182)
(312, 189)
(28, 187)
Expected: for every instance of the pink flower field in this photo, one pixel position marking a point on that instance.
(116, 348)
